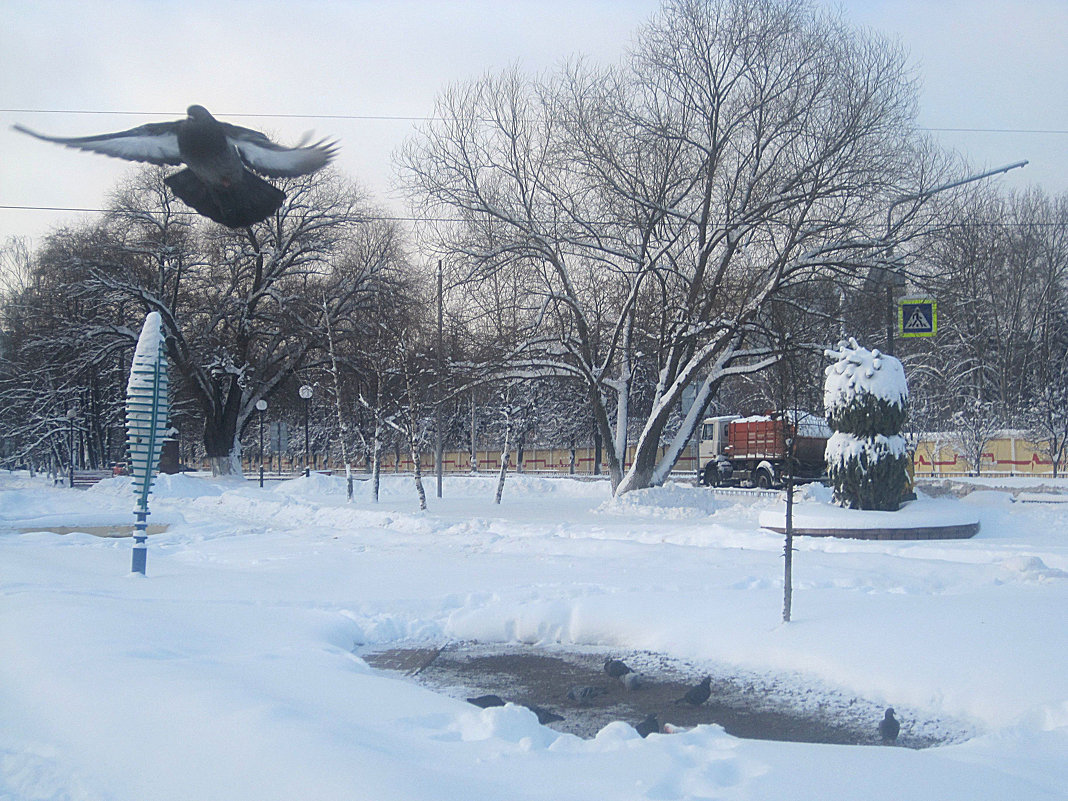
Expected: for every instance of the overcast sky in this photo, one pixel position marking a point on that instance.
(996, 67)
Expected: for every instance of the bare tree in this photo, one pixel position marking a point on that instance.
(1046, 414)
(652, 210)
(239, 308)
(975, 424)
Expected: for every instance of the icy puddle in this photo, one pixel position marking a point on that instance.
(108, 532)
(574, 686)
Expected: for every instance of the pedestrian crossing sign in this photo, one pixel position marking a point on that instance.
(917, 317)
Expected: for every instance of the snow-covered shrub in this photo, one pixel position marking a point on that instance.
(866, 397)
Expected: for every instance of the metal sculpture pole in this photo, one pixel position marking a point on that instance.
(146, 424)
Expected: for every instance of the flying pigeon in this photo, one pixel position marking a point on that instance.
(695, 696)
(615, 668)
(648, 726)
(218, 181)
(889, 727)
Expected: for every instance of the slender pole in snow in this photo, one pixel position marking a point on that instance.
(788, 552)
(306, 393)
(439, 447)
(261, 407)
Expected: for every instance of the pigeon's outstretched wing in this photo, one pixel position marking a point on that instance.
(156, 142)
(221, 161)
(278, 161)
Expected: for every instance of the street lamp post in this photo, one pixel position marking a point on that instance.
(306, 393)
(261, 407)
(887, 272)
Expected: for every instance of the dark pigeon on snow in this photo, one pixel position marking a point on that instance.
(648, 726)
(615, 668)
(486, 701)
(545, 716)
(695, 696)
(221, 162)
(889, 727)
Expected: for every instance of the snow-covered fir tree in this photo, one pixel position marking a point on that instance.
(865, 397)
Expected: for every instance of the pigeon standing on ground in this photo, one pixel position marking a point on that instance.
(218, 180)
(616, 668)
(889, 727)
(633, 681)
(583, 695)
(695, 696)
(648, 726)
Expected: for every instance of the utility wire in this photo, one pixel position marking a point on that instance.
(401, 218)
(405, 118)
(374, 217)
(398, 117)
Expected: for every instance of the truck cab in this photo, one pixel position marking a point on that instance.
(714, 466)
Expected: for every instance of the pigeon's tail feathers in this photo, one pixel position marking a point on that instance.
(241, 204)
(194, 193)
(254, 200)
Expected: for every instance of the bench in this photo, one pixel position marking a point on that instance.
(87, 478)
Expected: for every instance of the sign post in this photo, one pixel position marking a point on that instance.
(146, 424)
(917, 317)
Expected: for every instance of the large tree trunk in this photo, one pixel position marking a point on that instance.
(221, 443)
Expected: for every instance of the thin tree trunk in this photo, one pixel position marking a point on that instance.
(337, 399)
(474, 440)
(376, 460)
(417, 459)
(504, 463)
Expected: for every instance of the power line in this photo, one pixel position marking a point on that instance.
(429, 118)
(398, 118)
(401, 218)
(374, 217)
(1000, 130)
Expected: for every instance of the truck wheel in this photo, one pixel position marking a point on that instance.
(762, 479)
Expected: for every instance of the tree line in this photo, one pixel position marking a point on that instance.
(604, 255)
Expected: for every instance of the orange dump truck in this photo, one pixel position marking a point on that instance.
(752, 451)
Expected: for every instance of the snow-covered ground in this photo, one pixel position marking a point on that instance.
(230, 671)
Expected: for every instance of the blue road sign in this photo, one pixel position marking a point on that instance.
(917, 317)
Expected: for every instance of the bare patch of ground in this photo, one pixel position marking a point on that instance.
(752, 706)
